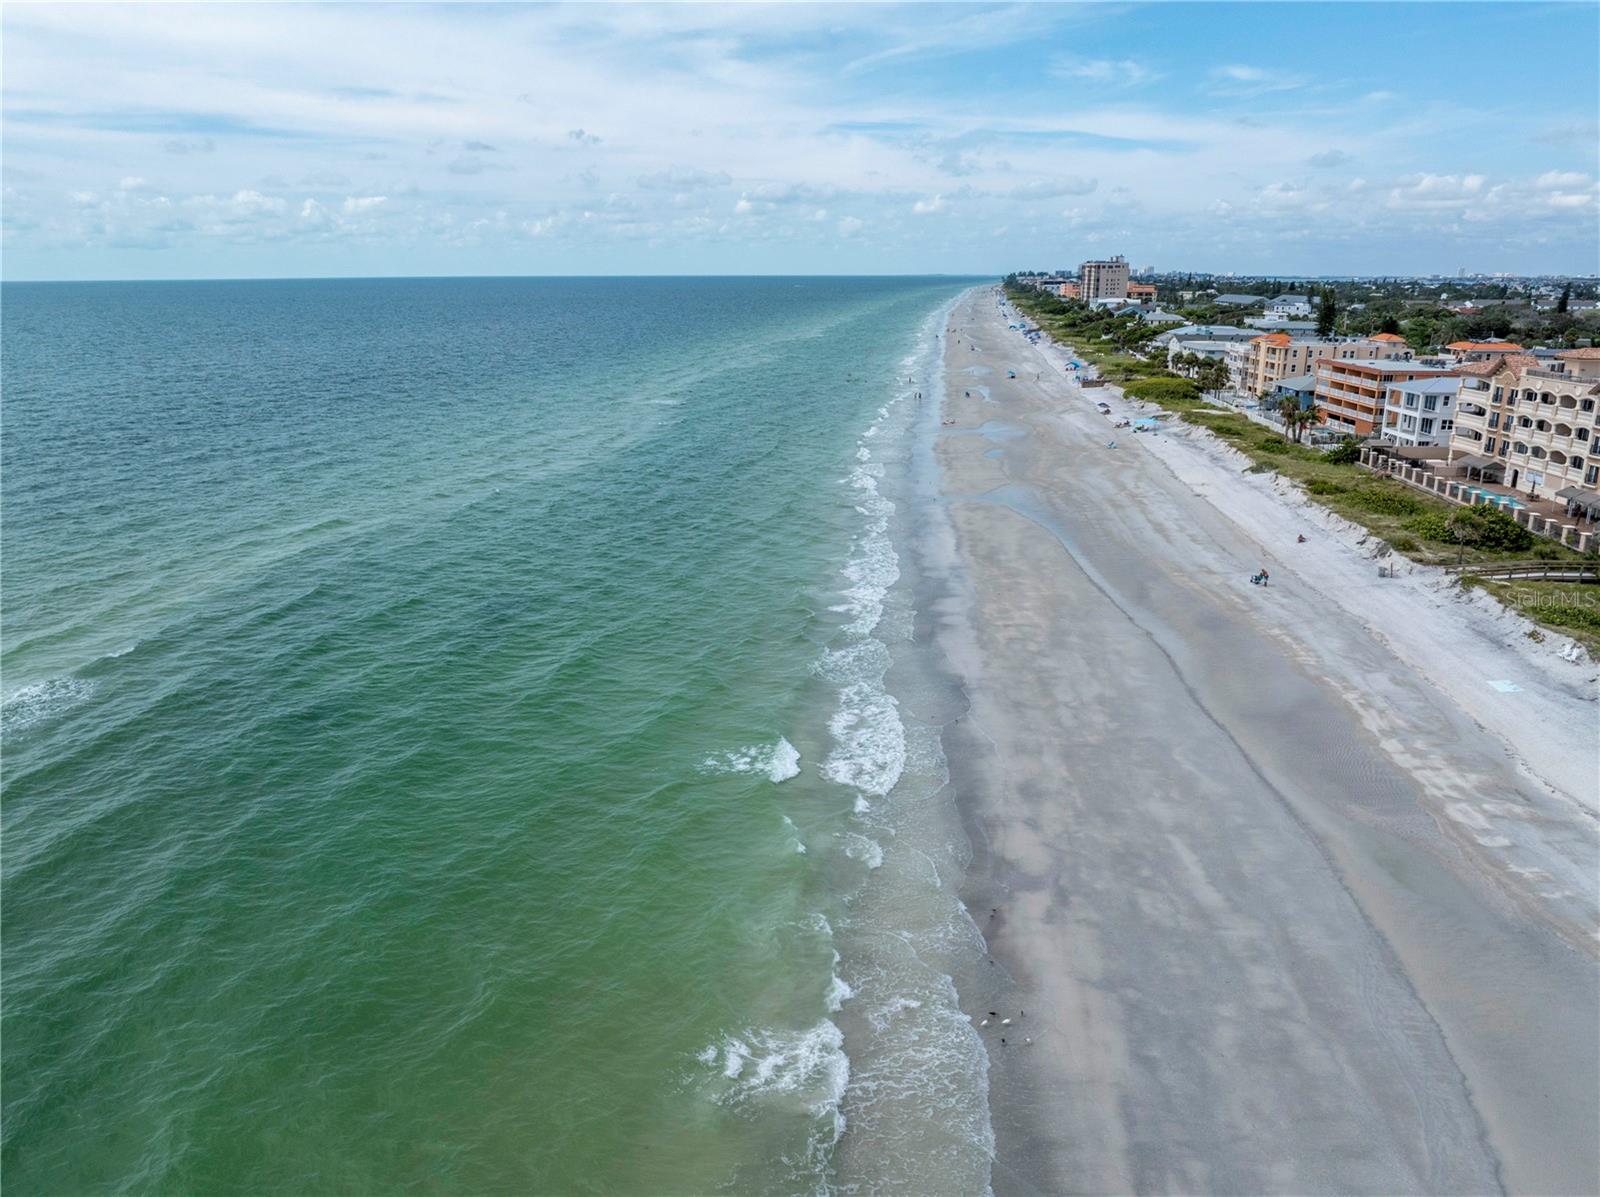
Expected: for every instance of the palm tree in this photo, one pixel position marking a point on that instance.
(1289, 409)
(1310, 415)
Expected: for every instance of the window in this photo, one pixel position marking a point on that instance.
(1521, 448)
(1499, 393)
(1591, 475)
(1447, 425)
(1586, 405)
(1494, 420)
(1582, 434)
(1575, 462)
(1427, 424)
(1430, 403)
(1504, 445)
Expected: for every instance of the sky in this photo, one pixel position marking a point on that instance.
(229, 141)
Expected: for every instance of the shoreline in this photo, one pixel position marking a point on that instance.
(1284, 917)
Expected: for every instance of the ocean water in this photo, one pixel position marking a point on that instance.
(472, 735)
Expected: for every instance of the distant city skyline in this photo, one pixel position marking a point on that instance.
(300, 141)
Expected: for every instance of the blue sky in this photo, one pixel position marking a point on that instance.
(290, 140)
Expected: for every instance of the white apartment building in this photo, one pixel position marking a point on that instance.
(1217, 350)
(1532, 425)
(1419, 411)
(1289, 307)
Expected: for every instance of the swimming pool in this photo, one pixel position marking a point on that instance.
(1499, 500)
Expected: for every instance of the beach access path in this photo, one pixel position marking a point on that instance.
(1290, 906)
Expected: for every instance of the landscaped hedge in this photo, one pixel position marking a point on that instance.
(1485, 527)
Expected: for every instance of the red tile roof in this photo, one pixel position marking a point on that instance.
(1484, 347)
(1588, 355)
(1391, 337)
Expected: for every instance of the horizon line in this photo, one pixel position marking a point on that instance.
(330, 278)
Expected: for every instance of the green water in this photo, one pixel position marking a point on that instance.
(403, 688)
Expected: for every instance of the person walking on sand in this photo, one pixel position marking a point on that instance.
(1264, 575)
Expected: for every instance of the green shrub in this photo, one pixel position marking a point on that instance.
(1481, 527)
(1347, 452)
(1430, 526)
(1325, 486)
(1163, 390)
(1385, 502)
(1404, 544)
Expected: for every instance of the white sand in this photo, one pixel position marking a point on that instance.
(1295, 900)
(1459, 640)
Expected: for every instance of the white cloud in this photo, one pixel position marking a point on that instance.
(1054, 188)
(738, 118)
(1104, 72)
(1240, 80)
(1435, 191)
(253, 203)
(1562, 179)
(683, 178)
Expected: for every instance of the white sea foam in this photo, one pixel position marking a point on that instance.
(30, 705)
(839, 991)
(870, 741)
(808, 1065)
(881, 1017)
(868, 851)
(799, 844)
(779, 761)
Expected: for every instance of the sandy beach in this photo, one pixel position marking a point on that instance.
(1292, 889)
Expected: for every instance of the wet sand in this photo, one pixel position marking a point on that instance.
(1255, 950)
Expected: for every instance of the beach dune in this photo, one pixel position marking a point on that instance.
(1283, 917)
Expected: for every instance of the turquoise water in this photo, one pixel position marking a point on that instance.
(452, 741)
(1494, 497)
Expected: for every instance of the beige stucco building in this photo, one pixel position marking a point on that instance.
(1529, 425)
(1104, 280)
(1257, 365)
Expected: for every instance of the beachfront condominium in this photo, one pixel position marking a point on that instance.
(1255, 366)
(1532, 424)
(1104, 280)
(1352, 393)
(1420, 411)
